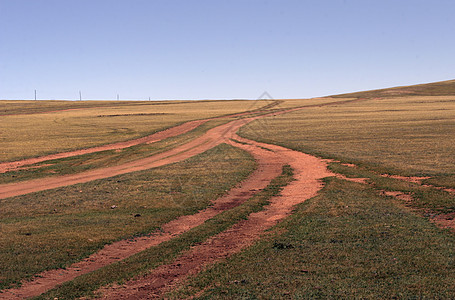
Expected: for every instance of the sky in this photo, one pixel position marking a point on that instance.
(220, 49)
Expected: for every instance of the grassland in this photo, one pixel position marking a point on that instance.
(29, 135)
(80, 163)
(348, 242)
(12, 107)
(164, 253)
(34, 128)
(442, 88)
(409, 136)
(291, 103)
(352, 240)
(54, 228)
(426, 200)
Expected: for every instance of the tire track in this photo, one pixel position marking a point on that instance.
(309, 171)
(156, 137)
(210, 139)
(269, 167)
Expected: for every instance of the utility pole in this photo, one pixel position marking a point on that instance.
(117, 97)
(35, 95)
(80, 96)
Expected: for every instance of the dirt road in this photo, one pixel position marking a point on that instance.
(210, 139)
(268, 167)
(308, 172)
(158, 136)
(161, 135)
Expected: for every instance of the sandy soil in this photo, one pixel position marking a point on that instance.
(399, 195)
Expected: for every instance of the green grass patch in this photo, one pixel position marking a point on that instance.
(54, 228)
(143, 262)
(347, 242)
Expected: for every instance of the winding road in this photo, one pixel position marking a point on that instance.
(308, 172)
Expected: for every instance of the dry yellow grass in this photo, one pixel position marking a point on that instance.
(289, 103)
(29, 135)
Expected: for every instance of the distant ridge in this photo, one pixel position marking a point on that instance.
(441, 88)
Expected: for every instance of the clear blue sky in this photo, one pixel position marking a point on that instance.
(220, 49)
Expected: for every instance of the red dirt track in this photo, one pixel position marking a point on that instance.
(158, 136)
(210, 139)
(308, 172)
(174, 131)
(268, 168)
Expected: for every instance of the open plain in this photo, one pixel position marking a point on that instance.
(349, 196)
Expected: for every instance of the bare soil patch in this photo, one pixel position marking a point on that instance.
(413, 179)
(419, 180)
(446, 221)
(349, 165)
(357, 180)
(399, 195)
